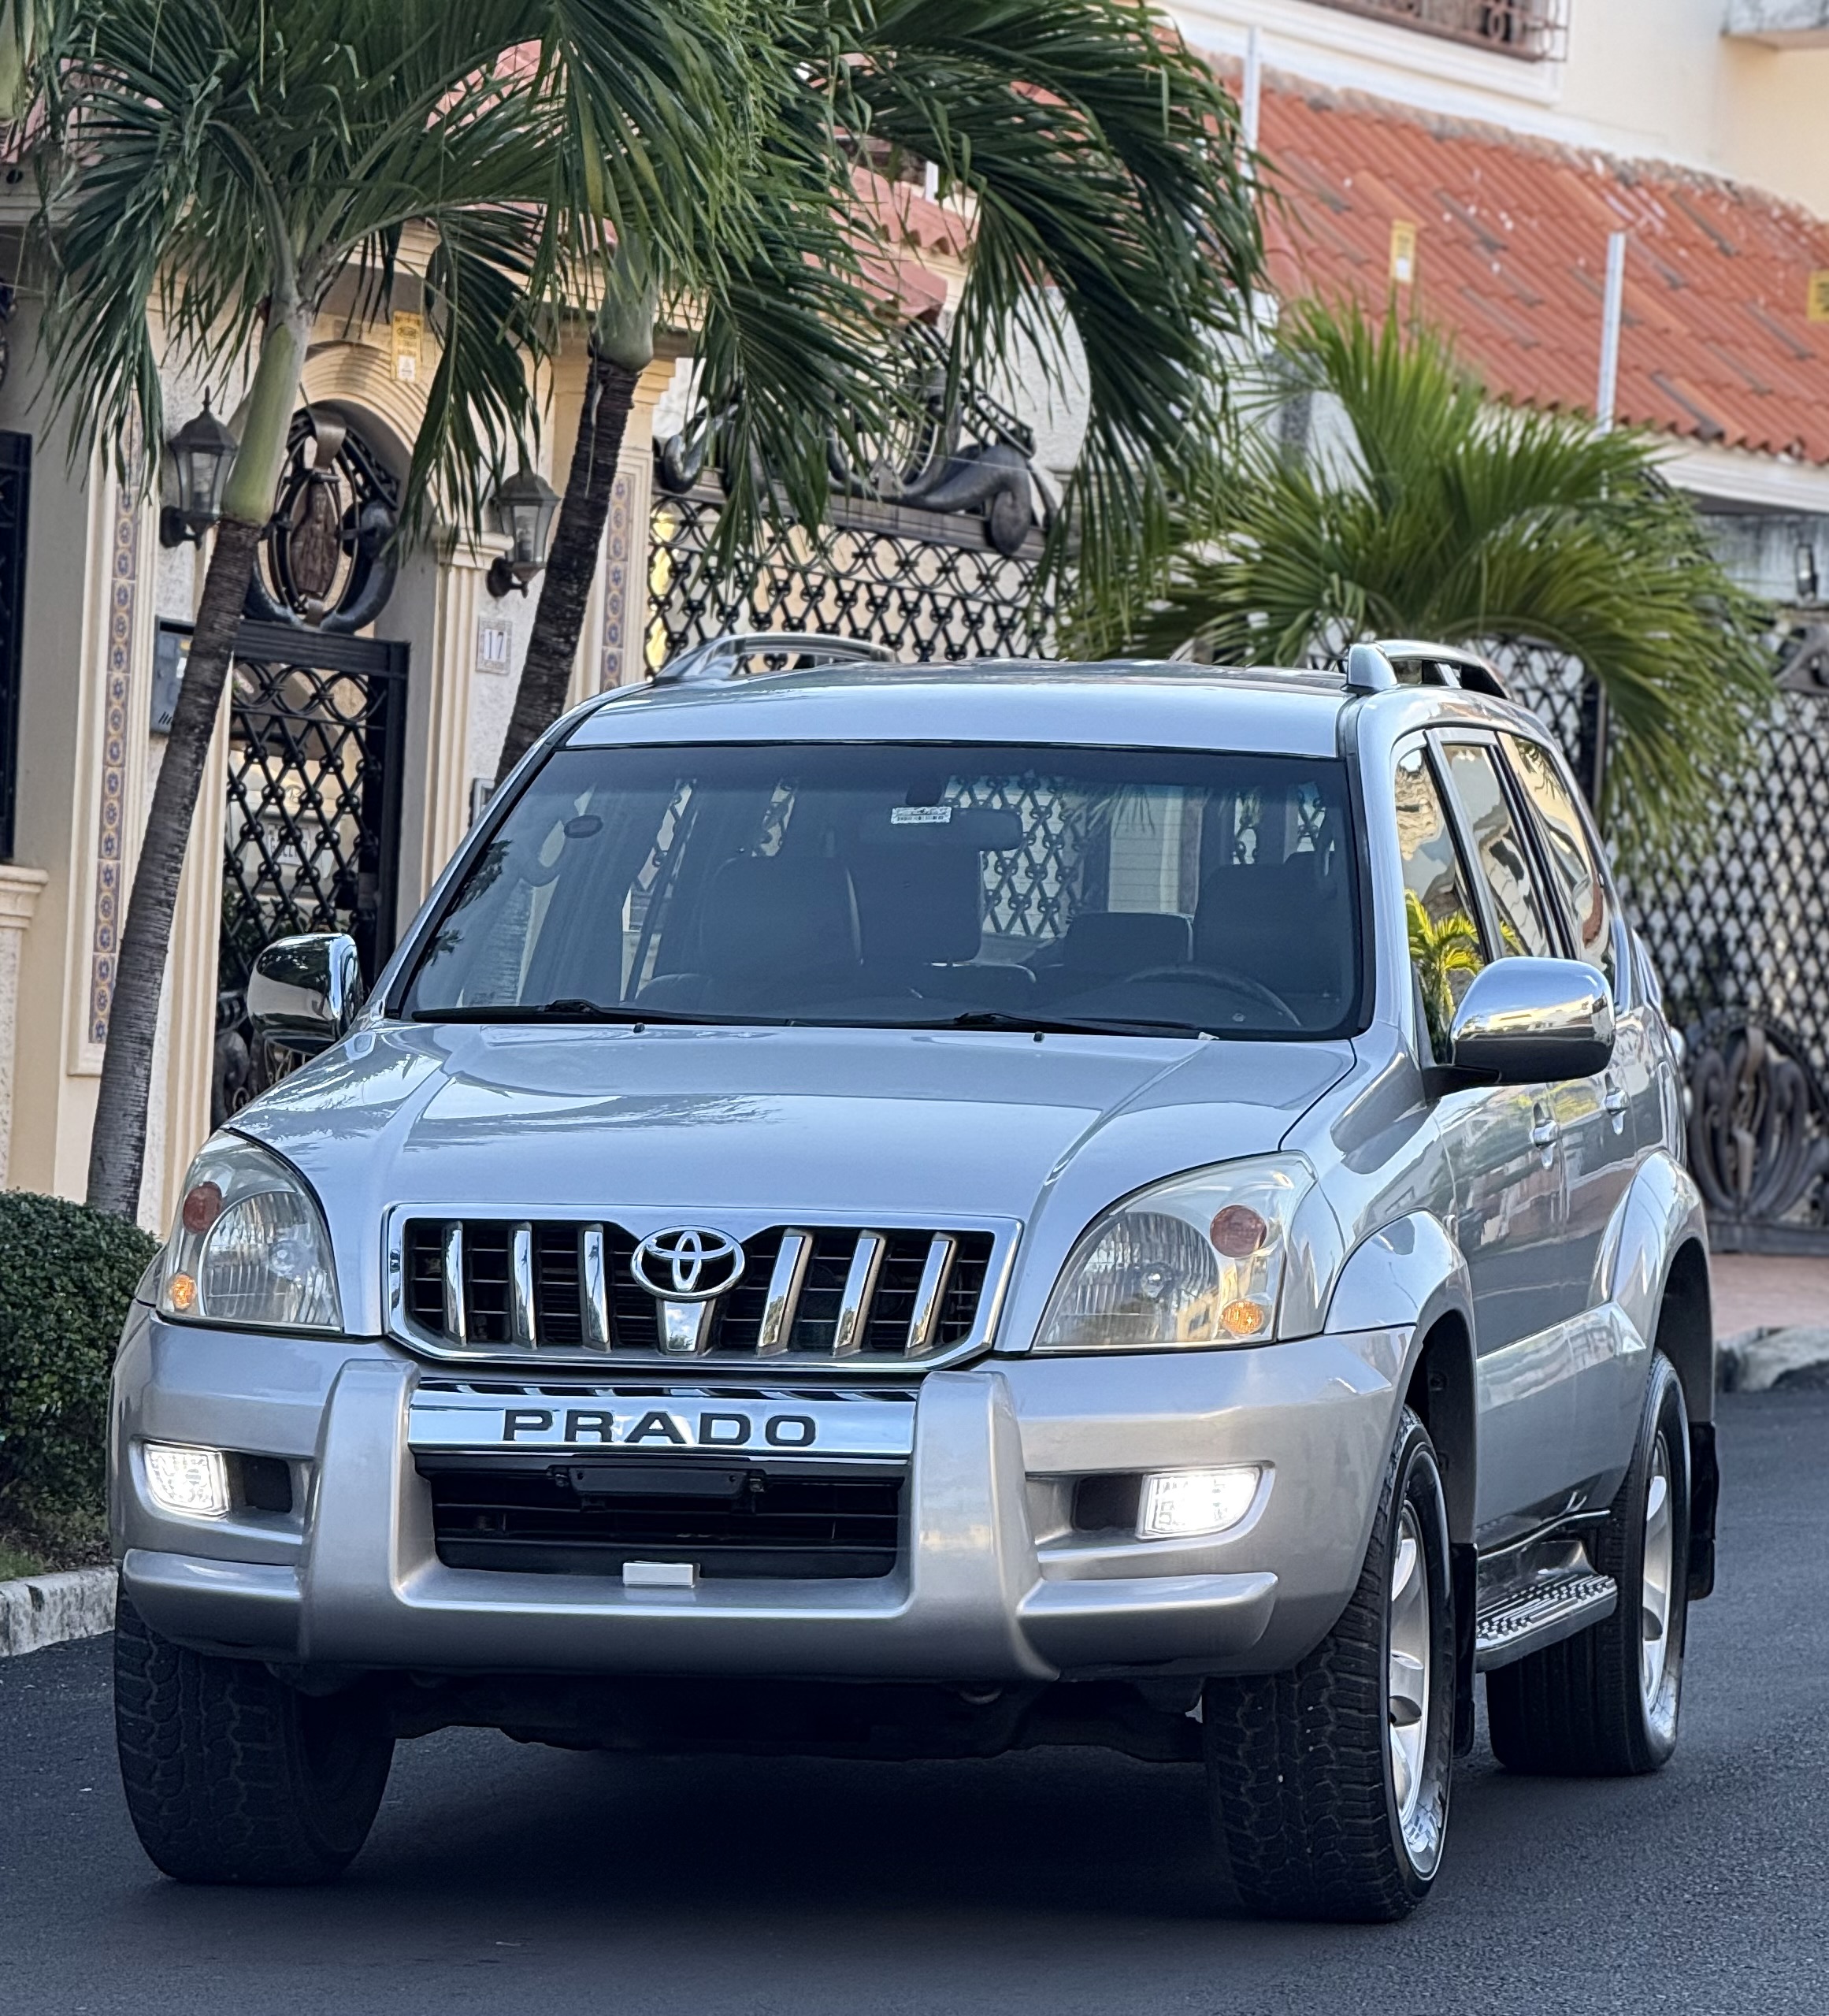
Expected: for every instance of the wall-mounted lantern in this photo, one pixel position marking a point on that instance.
(524, 507)
(203, 450)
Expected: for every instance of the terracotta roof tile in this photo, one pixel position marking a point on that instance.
(1512, 247)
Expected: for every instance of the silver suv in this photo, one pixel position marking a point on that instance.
(920, 1211)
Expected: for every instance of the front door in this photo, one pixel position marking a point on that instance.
(312, 838)
(1508, 1207)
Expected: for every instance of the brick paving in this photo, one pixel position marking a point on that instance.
(1759, 1291)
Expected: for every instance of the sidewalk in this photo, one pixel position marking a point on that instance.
(1759, 1291)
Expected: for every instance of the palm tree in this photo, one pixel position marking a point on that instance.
(228, 165)
(1429, 512)
(1098, 160)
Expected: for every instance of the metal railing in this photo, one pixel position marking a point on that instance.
(1534, 31)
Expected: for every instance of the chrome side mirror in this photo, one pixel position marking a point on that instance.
(1524, 1021)
(304, 993)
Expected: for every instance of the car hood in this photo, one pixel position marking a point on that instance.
(509, 1121)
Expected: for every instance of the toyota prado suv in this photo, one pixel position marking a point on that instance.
(909, 1212)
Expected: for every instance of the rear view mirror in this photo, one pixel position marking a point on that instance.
(304, 993)
(1525, 1021)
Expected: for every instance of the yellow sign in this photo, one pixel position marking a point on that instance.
(1816, 308)
(409, 334)
(1403, 252)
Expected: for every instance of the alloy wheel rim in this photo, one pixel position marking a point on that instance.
(1407, 1688)
(1655, 1577)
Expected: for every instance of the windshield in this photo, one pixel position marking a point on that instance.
(904, 885)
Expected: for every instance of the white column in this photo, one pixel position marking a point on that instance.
(623, 570)
(189, 1001)
(19, 889)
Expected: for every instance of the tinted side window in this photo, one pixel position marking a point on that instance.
(1445, 952)
(1571, 855)
(1502, 856)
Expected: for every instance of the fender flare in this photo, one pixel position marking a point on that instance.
(1661, 1216)
(1410, 1275)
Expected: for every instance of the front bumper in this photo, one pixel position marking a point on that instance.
(992, 1584)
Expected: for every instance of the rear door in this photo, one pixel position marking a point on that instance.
(1609, 1122)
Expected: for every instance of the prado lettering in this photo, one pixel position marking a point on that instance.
(601, 1425)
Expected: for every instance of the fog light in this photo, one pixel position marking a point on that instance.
(1179, 1504)
(192, 1481)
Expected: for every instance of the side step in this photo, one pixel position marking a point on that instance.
(1532, 1618)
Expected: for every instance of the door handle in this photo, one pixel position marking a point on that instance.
(1545, 1133)
(1615, 1100)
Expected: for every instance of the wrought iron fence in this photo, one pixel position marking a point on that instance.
(927, 584)
(1738, 929)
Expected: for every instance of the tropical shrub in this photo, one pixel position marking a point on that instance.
(67, 1274)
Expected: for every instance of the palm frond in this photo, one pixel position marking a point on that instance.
(1428, 511)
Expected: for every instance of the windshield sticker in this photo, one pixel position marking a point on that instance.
(921, 815)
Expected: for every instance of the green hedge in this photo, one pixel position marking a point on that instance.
(67, 1275)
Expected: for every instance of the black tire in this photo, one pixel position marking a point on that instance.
(233, 1776)
(1299, 1769)
(1580, 1709)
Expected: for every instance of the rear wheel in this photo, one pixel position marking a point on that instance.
(1604, 1703)
(1329, 1784)
(233, 1776)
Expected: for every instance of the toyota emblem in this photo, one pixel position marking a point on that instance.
(687, 1264)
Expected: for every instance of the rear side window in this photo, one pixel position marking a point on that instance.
(1502, 856)
(1440, 919)
(1571, 853)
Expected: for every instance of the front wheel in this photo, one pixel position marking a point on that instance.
(1329, 1783)
(1603, 1703)
(233, 1776)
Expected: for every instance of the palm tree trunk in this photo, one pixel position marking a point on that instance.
(117, 1146)
(572, 566)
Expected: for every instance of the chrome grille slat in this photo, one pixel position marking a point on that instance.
(786, 1279)
(594, 1287)
(860, 1285)
(562, 1288)
(936, 1272)
(522, 1327)
(456, 1326)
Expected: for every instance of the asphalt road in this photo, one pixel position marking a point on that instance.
(503, 1879)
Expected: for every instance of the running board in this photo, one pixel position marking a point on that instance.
(1526, 1622)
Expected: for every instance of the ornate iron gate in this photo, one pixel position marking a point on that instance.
(934, 549)
(1740, 935)
(928, 585)
(312, 840)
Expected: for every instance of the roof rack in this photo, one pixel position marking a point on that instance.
(1373, 668)
(723, 658)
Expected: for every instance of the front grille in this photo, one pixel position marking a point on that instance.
(576, 1517)
(807, 1293)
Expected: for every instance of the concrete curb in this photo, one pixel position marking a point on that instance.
(1756, 1361)
(46, 1609)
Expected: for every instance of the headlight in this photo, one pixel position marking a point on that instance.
(1200, 1260)
(249, 1247)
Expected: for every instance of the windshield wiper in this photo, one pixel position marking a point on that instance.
(1044, 1025)
(571, 1009)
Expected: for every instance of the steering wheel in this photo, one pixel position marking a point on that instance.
(1238, 984)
